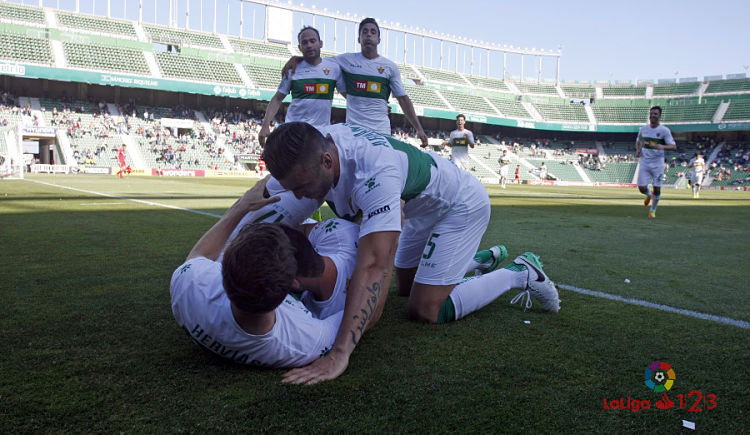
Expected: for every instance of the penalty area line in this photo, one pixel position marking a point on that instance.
(695, 314)
(140, 201)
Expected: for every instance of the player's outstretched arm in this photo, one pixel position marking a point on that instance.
(211, 244)
(411, 115)
(365, 298)
(271, 111)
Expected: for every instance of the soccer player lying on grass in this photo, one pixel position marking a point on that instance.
(241, 307)
(236, 302)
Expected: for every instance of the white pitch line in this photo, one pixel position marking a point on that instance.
(725, 320)
(719, 319)
(101, 203)
(140, 201)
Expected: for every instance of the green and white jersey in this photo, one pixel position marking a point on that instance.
(337, 240)
(312, 92)
(202, 309)
(698, 164)
(649, 137)
(378, 171)
(369, 84)
(461, 138)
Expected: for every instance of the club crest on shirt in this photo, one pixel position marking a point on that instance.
(326, 71)
(658, 134)
(381, 69)
(371, 184)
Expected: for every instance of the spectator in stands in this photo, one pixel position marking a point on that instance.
(460, 140)
(311, 85)
(371, 79)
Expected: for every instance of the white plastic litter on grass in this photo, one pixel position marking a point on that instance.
(688, 424)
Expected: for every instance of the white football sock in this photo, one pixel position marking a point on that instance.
(476, 292)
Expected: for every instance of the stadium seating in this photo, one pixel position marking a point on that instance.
(18, 12)
(464, 102)
(21, 48)
(536, 88)
(167, 35)
(688, 112)
(191, 68)
(442, 76)
(677, 89)
(407, 72)
(624, 91)
(105, 58)
(613, 172)
(621, 111)
(264, 76)
(738, 111)
(424, 96)
(728, 86)
(488, 83)
(510, 106)
(95, 24)
(578, 91)
(248, 46)
(563, 112)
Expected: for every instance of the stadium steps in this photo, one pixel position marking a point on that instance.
(650, 91)
(58, 53)
(590, 114)
(512, 86)
(50, 18)
(134, 151)
(243, 75)
(63, 141)
(560, 91)
(720, 112)
(535, 115)
(153, 66)
(488, 174)
(225, 42)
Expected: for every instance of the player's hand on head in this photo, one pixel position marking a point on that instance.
(255, 198)
(329, 367)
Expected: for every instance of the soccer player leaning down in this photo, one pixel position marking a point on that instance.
(365, 175)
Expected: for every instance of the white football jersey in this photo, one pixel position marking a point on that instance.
(202, 309)
(369, 84)
(377, 171)
(312, 91)
(337, 240)
(649, 137)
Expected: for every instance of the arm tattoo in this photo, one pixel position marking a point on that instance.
(366, 313)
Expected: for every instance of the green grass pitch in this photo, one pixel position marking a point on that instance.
(89, 343)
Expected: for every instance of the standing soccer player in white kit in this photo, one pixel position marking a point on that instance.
(653, 140)
(699, 168)
(504, 162)
(460, 141)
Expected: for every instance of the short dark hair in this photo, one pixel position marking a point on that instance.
(309, 263)
(308, 28)
(460, 115)
(366, 21)
(291, 144)
(655, 108)
(258, 268)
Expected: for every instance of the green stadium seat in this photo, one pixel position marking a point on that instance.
(188, 37)
(106, 58)
(96, 24)
(191, 68)
(16, 12)
(21, 48)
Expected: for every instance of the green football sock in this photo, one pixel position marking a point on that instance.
(482, 257)
(515, 267)
(447, 311)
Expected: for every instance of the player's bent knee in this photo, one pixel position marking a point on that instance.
(423, 314)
